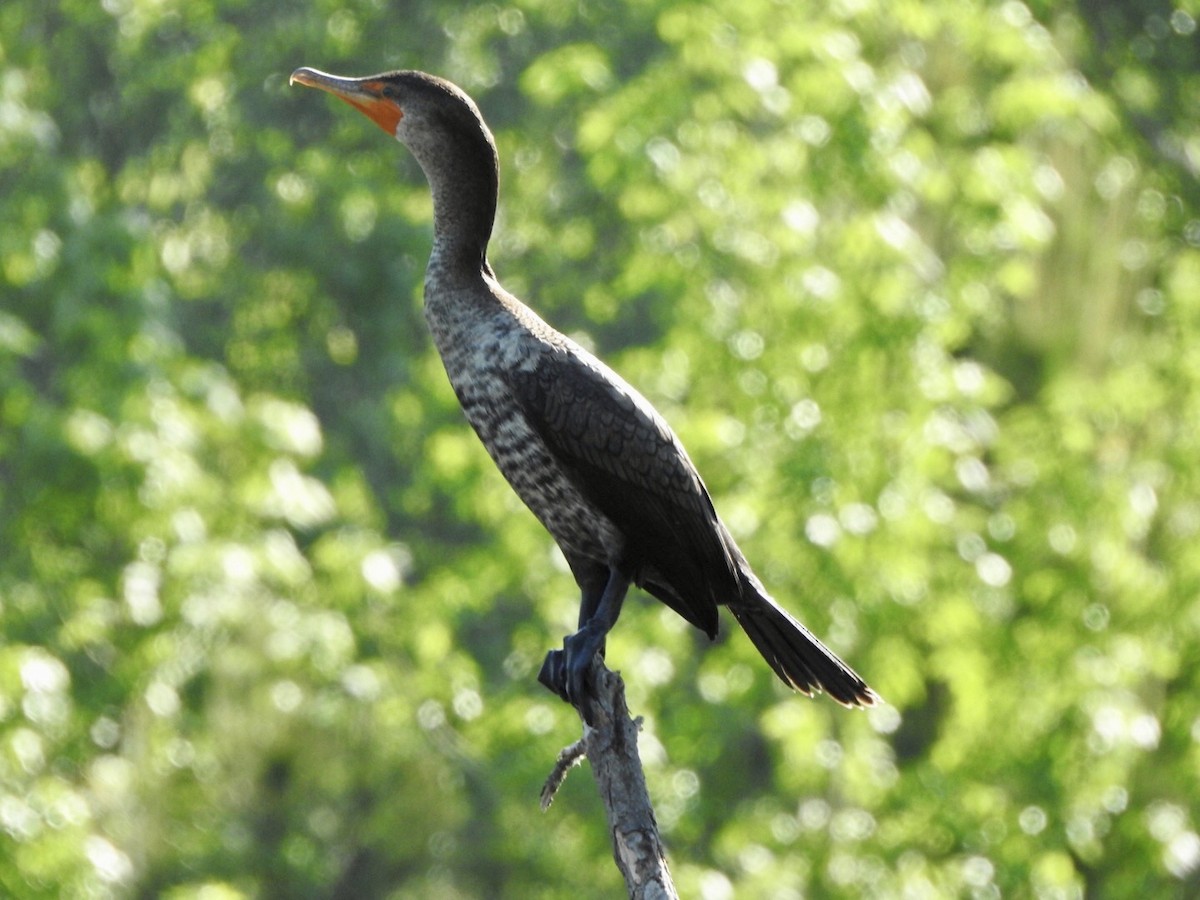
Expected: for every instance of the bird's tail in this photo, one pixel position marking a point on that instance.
(797, 657)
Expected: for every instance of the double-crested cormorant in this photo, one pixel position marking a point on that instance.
(587, 453)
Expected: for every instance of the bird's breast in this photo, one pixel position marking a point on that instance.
(480, 358)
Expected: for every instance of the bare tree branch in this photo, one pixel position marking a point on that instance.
(611, 748)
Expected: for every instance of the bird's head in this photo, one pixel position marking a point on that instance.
(443, 129)
(411, 106)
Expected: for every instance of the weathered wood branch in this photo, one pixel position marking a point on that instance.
(611, 748)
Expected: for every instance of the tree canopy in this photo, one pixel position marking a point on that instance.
(918, 284)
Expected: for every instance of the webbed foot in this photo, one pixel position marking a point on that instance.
(569, 672)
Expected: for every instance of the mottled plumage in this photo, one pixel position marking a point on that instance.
(590, 456)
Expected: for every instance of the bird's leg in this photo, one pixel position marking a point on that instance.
(592, 578)
(566, 671)
(592, 584)
(581, 648)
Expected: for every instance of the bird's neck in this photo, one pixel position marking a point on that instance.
(462, 227)
(463, 180)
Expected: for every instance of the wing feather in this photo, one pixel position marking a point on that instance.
(626, 460)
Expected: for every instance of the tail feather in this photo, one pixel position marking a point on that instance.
(797, 657)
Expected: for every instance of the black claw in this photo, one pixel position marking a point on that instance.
(579, 686)
(553, 674)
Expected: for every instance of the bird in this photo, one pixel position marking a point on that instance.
(590, 457)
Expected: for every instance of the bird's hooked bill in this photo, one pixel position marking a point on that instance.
(364, 94)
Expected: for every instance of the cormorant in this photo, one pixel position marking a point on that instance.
(587, 453)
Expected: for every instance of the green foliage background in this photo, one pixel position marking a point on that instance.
(917, 282)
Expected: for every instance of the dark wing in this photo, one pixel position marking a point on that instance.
(624, 458)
